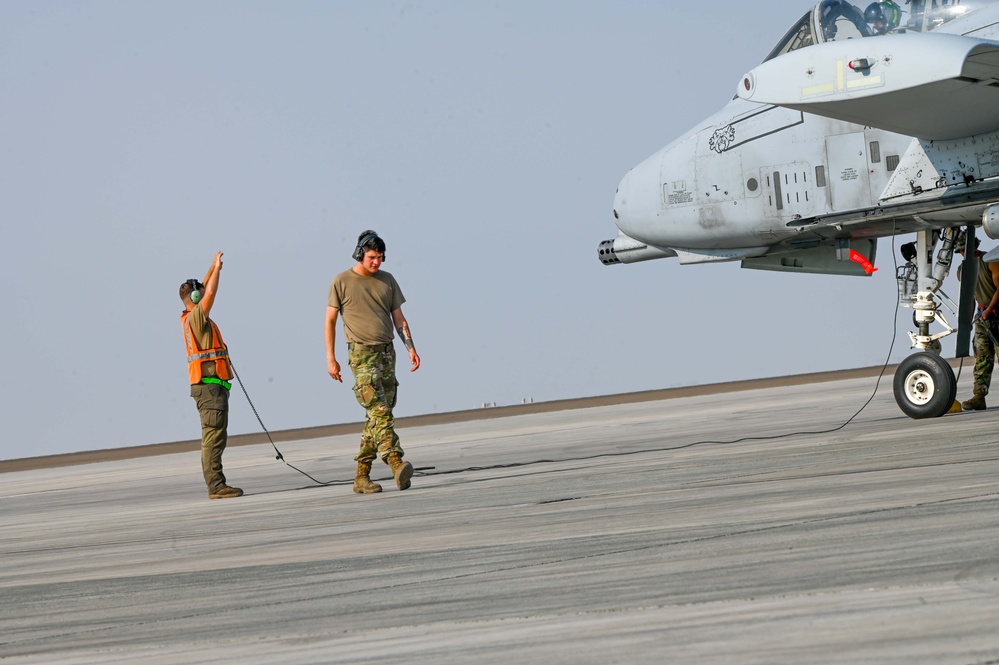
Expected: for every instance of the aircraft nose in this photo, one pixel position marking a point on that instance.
(631, 200)
(655, 191)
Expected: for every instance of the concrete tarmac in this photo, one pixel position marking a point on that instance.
(740, 527)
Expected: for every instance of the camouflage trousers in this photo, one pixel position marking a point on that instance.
(985, 355)
(375, 387)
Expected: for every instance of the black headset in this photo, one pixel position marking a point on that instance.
(359, 250)
(195, 290)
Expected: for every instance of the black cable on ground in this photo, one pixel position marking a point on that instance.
(877, 386)
(279, 456)
(429, 471)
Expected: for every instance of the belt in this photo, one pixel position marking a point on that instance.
(219, 382)
(373, 347)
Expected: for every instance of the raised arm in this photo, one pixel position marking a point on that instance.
(211, 284)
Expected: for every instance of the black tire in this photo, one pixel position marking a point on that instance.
(924, 386)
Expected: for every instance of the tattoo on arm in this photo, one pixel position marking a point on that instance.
(405, 335)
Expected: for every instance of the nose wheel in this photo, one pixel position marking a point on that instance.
(924, 385)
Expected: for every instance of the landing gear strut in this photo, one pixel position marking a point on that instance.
(924, 384)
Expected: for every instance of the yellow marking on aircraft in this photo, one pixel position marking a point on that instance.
(815, 90)
(864, 82)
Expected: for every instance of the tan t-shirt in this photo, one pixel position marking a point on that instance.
(366, 305)
(203, 336)
(985, 288)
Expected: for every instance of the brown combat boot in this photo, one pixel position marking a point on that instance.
(362, 483)
(225, 492)
(402, 471)
(976, 403)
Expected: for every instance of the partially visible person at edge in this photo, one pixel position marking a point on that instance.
(370, 301)
(987, 321)
(210, 373)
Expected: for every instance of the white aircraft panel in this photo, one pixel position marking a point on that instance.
(933, 86)
(929, 165)
(848, 178)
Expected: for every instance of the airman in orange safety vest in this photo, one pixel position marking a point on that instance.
(210, 372)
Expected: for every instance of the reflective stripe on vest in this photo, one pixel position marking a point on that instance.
(217, 352)
(207, 355)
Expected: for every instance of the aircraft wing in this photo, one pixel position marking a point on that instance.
(937, 208)
(927, 85)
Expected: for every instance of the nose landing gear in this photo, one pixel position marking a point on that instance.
(924, 385)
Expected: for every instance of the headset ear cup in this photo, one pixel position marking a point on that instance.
(196, 289)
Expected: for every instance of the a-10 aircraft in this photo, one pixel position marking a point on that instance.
(861, 123)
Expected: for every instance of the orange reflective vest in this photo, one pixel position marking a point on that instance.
(217, 352)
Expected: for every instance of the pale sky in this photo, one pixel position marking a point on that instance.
(483, 141)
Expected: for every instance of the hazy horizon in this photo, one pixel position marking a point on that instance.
(484, 143)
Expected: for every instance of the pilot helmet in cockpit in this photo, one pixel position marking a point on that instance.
(883, 17)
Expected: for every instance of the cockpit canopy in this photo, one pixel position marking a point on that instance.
(833, 20)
